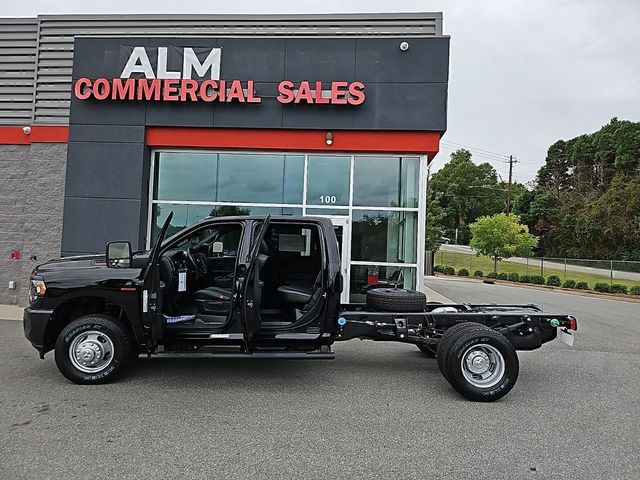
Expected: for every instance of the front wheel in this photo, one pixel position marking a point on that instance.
(480, 364)
(92, 349)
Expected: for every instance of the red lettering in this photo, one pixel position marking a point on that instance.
(123, 90)
(82, 88)
(188, 87)
(319, 97)
(235, 92)
(356, 93)
(285, 89)
(222, 91)
(250, 93)
(338, 93)
(148, 89)
(101, 89)
(170, 90)
(304, 93)
(204, 90)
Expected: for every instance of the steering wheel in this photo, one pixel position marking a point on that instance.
(197, 261)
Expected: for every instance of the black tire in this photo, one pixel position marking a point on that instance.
(107, 329)
(396, 300)
(428, 351)
(448, 338)
(502, 374)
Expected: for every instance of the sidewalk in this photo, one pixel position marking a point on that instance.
(10, 312)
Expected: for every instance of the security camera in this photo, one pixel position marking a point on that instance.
(404, 46)
(26, 130)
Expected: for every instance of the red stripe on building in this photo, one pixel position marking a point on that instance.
(300, 140)
(39, 134)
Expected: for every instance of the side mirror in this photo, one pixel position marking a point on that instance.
(217, 248)
(119, 254)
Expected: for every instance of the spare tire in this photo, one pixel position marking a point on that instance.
(396, 300)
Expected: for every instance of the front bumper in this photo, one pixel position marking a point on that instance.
(35, 326)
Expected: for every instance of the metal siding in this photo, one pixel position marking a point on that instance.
(55, 47)
(18, 41)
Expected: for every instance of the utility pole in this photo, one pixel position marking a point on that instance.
(511, 161)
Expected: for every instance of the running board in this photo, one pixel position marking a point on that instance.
(280, 355)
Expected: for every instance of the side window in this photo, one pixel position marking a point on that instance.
(228, 242)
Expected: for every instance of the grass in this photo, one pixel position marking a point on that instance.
(472, 263)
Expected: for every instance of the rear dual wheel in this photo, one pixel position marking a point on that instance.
(479, 363)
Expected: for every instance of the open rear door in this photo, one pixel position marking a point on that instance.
(251, 289)
(152, 320)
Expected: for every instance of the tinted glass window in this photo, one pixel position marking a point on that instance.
(185, 176)
(183, 215)
(385, 181)
(293, 178)
(384, 236)
(328, 180)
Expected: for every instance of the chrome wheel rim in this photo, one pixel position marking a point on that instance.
(91, 351)
(482, 365)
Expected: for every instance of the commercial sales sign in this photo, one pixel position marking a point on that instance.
(147, 76)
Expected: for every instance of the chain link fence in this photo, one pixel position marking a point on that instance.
(612, 271)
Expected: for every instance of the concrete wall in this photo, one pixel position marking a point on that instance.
(32, 179)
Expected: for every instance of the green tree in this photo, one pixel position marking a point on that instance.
(465, 191)
(501, 236)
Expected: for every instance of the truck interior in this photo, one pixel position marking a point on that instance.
(197, 275)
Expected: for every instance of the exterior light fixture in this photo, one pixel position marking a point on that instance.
(328, 138)
(26, 130)
(404, 46)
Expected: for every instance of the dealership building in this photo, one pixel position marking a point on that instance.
(109, 123)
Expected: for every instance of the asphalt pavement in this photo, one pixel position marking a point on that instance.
(377, 411)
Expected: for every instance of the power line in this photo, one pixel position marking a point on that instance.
(501, 155)
(478, 154)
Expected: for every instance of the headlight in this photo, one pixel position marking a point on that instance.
(37, 290)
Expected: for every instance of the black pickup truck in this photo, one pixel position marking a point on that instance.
(260, 287)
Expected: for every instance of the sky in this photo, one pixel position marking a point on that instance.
(523, 73)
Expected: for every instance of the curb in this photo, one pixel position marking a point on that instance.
(10, 312)
(569, 291)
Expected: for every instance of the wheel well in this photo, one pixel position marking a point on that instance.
(77, 307)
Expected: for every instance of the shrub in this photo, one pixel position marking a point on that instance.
(553, 281)
(478, 273)
(449, 271)
(569, 284)
(602, 287)
(438, 268)
(537, 279)
(514, 277)
(502, 276)
(617, 288)
(525, 279)
(635, 290)
(463, 272)
(582, 286)
(492, 275)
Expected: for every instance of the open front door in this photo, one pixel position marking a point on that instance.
(152, 320)
(251, 289)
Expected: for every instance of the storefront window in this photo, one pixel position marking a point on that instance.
(328, 180)
(293, 178)
(384, 236)
(259, 178)
(330, 212)
(185, 176)
(366, 277)
(183, 215)
(386, 181)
